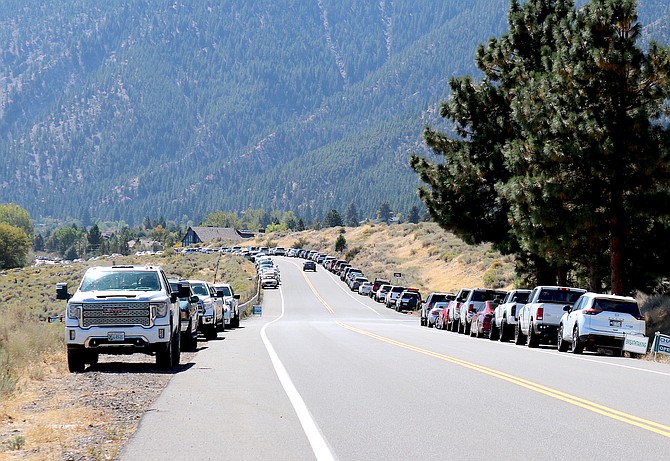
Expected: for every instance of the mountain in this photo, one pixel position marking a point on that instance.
(120, 110)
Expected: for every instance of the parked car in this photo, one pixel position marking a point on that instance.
(452, 315)
(365, 288)
(231, 300)
(474, 303)
(309, 266)
(434, 313)
(393, 294)
(540, 316)
(189, 316)
(409, 300)
(599, 321)
(482, 320)
(504, 318)
(268, 281)
(357, 282)
(375, 286)
(380, 297)
(429, 303)
(210, 308)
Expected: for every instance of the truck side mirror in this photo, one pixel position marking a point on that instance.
(61, 291)
(219, 293)
(567, 308)
(236, 296)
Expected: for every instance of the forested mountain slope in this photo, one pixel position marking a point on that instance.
(120, 110)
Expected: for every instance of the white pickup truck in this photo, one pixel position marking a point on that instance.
(504, 319)
(538, 319)
(122, 310)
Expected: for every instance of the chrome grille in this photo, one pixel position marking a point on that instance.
(113, 314)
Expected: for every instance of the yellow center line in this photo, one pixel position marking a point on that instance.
(311, 287)
(571, 399)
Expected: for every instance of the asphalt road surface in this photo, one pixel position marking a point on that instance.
(327, 374)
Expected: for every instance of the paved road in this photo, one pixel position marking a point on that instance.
(327, 374)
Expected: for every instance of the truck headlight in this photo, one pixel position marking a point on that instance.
(74, 311)
(159, 309)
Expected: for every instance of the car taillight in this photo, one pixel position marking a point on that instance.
(591, 311)
(540, 313)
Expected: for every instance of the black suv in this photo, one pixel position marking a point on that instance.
(309, 266)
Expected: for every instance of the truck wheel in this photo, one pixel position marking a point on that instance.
(164, 356)
(562, 345)
(236, 321)
(176, 348)
(519, 337)
(504, 331)
(210, 332)
(576, 347)
(493, 332)
(532, 340)
(75, 361)
(454, 326)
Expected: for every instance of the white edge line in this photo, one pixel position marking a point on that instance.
(314, 435)
(350, 295)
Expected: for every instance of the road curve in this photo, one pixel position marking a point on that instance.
(327, 374)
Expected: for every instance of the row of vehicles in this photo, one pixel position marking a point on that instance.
(137, 309)
(570, 318)
(396, 297)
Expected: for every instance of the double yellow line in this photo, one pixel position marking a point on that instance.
(553, 393)
(571, 399)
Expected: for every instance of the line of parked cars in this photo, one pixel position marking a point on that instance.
(570, 318)
(396, 297)
(567, 317)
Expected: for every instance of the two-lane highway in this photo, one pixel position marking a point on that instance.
(328, 374)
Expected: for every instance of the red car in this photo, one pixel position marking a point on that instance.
(481, 321)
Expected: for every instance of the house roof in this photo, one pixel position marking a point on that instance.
(210, 234)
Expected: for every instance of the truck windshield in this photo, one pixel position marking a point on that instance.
(121, 280)
(199, 289)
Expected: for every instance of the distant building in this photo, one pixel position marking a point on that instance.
(197, 235)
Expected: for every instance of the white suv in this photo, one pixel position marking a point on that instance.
(598, 320)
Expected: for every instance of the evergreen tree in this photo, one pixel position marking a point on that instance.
(301, 225)
(333, 219)
(352, 218)
(560, 158)
(38, 243)
(413, 215)
(384, 212)
(94, 238)
(340, 243)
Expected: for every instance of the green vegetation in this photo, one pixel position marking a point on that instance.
(560, 155)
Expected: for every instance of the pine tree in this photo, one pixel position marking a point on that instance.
(333, 219)
(352, 219)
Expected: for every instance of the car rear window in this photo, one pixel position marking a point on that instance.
(436, 298)
(549, 295)
(612, 305)
(520, 298)
(484, 295)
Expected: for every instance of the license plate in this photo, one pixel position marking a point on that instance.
(615, 323)
(116, 336)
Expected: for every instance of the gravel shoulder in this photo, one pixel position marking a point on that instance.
(82, 416)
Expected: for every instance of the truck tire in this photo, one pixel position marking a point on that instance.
(532, 340)
(562, 345)
(164, 356)
(235, 323)
(494, 333)
(519, 337)
(76, 360)
(504, 331)
(210, 332)
(176, 348)
(190, 340)
(454, 325)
